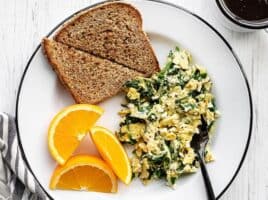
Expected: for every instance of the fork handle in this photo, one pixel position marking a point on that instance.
(209, 188)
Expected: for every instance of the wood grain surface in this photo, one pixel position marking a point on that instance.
(24, 22)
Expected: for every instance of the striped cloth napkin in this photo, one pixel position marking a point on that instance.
(16, 181)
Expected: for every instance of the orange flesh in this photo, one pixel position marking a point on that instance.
(83, 172)
(79, 178)
(113, 153)
(71, 130)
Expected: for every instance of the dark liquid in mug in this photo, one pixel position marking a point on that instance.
(251, 10)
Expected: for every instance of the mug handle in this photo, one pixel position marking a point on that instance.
(266, 30)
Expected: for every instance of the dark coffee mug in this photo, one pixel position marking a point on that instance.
(236, 18)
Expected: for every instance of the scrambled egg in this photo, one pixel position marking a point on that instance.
(161, 116)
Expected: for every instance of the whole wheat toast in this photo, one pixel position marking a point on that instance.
(90, 79)
(112, 31)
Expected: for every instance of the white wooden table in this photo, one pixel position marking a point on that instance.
(24, 22)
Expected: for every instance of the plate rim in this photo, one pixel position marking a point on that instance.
(161, 2)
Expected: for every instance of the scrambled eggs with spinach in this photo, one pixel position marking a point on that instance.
(161, 116)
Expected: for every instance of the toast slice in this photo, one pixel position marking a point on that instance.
(89, 79)
(112, 31)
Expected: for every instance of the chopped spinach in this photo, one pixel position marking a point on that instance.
(132, 84)
(198, 75)
(132, 120)
(194, 93)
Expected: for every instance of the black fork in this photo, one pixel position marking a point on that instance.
(199, 143)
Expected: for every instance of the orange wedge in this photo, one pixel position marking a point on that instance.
(112, 152)
(85, 173)
(69, 127)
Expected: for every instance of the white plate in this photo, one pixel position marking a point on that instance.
(41, 96)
